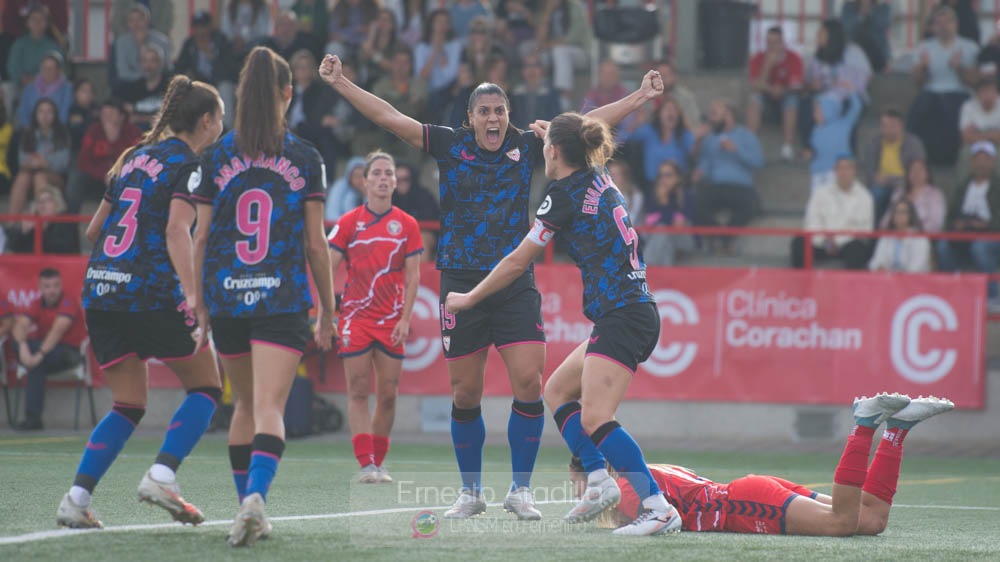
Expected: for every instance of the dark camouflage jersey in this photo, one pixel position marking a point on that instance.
(484, 195)
(586, 213)
(255, 262)
(129, 268)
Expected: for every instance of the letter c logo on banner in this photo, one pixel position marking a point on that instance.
(421, 352)
(678, 309)
(916, 313)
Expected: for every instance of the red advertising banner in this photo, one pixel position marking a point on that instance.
(778, 336)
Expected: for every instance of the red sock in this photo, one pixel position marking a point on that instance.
(380, 446)
(363, 449)
(853, 467)
(884, 472)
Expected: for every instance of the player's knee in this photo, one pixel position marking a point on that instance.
(386, 401)
(844, 526)
(873, 525)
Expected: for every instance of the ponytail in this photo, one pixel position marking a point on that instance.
(260, 109)
(584, 142)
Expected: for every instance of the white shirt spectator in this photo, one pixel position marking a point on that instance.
(942, 78)
(832, 208)
(975, 203)
(912, 255)
(975, 115)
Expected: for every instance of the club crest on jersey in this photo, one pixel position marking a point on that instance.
(514, 155)
(446, 341)
(194, 180)
(394, 227)
(346, 341)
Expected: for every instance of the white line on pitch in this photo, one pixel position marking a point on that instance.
(961, 507)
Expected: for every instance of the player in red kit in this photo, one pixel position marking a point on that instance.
(382, 247)
(859, 504)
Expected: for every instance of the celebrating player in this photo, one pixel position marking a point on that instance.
(862, 495)
(588, 213)
(141, 295)
(382, 246)
(262, 191)
(485, 171)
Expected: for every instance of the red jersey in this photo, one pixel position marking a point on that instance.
(375, 248)
(44, 316)
(788, 73)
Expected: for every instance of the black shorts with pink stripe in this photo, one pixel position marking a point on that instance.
(233, 336)
(627, 335)
(163, 334)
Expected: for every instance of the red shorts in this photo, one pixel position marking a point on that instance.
(360, 335)
(759, 503)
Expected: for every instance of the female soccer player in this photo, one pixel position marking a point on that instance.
(588, 213)
(485, 171)
(382, 246)
(140, 294)
(862, 495)
(262, 191)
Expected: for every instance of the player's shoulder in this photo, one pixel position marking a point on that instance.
(222, 146)
(295, 143)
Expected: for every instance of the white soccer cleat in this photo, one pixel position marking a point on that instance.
(597, 498)
(250, 523)
(521, 502)
(467, 505)
(652, 522)
(168, 496)
(368, 474)
(76, 517)
(382, 476)
(918, 410)
(873, 411)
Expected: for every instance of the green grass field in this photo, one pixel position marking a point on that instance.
(946, 508)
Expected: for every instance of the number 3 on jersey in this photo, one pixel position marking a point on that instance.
(253, 218)
(118, 245)
(628, 235)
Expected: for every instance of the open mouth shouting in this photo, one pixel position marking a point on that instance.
(493, 136)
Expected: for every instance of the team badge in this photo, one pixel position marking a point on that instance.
(446, 340)
(394, 227)
(194, 180)
(360, 225)
(346, 341)
(514, 155)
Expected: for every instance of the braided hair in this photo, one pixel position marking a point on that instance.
(185, 102)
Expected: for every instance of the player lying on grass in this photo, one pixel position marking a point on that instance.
(860, 502)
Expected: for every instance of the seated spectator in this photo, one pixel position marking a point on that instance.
(48, 337)
(866, 23)
(27, 52)
(83, 112)
(309, 113)
(479, 49)
(945, 66)
(844, 204)
(533, 99)
(666, 139)
(988, 59)
(287, 38)
(965, 13)
(43, 155)
(776, 77)
(684, 97)
(464, 12)
(839, 66)
(314, 18)
(347, 192)
(609, 89)
(408, 94)
(416, 200)
(246, 23)
(831, 136)
(728, 158)
(144, 97)
(436, 60)
(919, 191)
(621, 175)
(103, 143)
(887, 156)
(57, 237)
(17, 12)
(410, 18)
(975, 207)
(348, 26)
(50, 84)
(979, 120)
(565, 34)
(127, 65)
(910, 254)
(496, 73)
(515, 20)
(671, 204)
(161, 15)
(378, 48)
(208, 56)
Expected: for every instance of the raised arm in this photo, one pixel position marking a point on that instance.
(374, 108)
(615, 112)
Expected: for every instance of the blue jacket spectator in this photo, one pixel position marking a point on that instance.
(463, 12)
(533, 98)
(866, 22)
(49, 83)
(831, 136)
(345, 193)
(666, 139)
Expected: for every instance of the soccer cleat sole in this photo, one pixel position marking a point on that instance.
(607, 504)
(247, 534)
(70, 524)
(184, 513)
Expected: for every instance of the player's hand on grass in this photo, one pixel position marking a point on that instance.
(325, 330)
(539, 127)
(457, 302)
(400, 332)
(331, 69)
(652, 85)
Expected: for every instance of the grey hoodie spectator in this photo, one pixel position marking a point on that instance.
(345, 193)
(128, 66)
